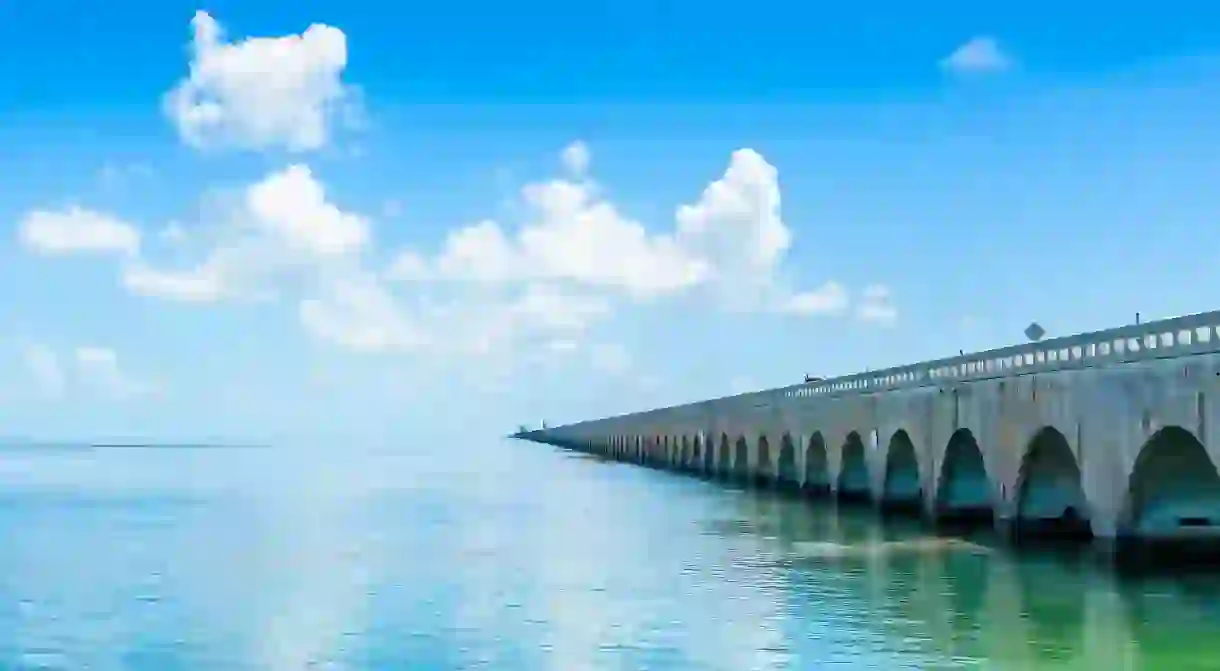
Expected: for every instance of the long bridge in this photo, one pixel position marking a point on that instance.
(1106, 433)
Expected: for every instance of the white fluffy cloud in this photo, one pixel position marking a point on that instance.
(736, 225)
(732, 240)
(261, 92)
(75, 230)
(572, 235)
(977, 55)
(562, 271)
(281, 226)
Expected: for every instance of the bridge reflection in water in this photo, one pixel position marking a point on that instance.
(969, 597)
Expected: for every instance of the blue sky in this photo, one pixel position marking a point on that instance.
(294, 241)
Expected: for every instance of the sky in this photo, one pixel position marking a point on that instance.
(353, 221)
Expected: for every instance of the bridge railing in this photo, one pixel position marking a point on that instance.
(1167, 338)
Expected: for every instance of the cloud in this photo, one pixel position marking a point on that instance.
(829, 299)
(281, 225)
(731, 242)
(576, 158)
(978, 55)
(261, 92)
(571, 263)
(737, 228)
(876, 305)
(75, 230)
(572, 235)
(356, 312)
(204, 284)
(88, 368)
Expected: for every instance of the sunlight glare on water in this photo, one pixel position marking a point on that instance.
(514, 556)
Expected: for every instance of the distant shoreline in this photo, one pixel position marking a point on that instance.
(130, 445)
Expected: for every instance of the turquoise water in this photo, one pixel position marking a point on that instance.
(513, 556)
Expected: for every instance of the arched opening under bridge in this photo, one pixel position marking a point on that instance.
(1050, 494)
(853, 470)
(764, 476)
(741, 460)
(1172, 507)
(817, 466)
(902, 489)
(963, 492)
(786, 476)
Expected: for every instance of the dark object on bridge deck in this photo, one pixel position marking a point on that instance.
(812, 378)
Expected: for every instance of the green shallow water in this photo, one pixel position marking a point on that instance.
(515, 556)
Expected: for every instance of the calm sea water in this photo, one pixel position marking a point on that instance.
(511, 556)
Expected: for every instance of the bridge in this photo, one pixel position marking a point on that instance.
(1103, 433)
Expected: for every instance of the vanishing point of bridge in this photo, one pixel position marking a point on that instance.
(1103, 433)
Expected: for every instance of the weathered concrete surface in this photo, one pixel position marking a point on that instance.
(1068, 427)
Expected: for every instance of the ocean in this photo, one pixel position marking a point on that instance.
(513, 556)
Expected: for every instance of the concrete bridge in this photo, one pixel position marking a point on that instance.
(1104, 432)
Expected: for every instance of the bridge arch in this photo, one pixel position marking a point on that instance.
(1173, 491)
(785, 464)
(853, 468)
(901, 486)
(696, 453)
(817, 467)
(1049, 488)
(963, 491)
(763, 473)
(684, 458)
(741, 459)
(724, 455)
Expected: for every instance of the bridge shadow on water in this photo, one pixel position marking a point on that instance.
(980, 593)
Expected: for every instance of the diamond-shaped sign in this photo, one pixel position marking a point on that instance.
(1034, 331)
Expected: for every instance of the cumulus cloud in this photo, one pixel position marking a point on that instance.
(977, 55)
(574, 257)
(261, 92)
(736, 226)
(281, 225)
(731, 241)
(75, 230)
(571, 235)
